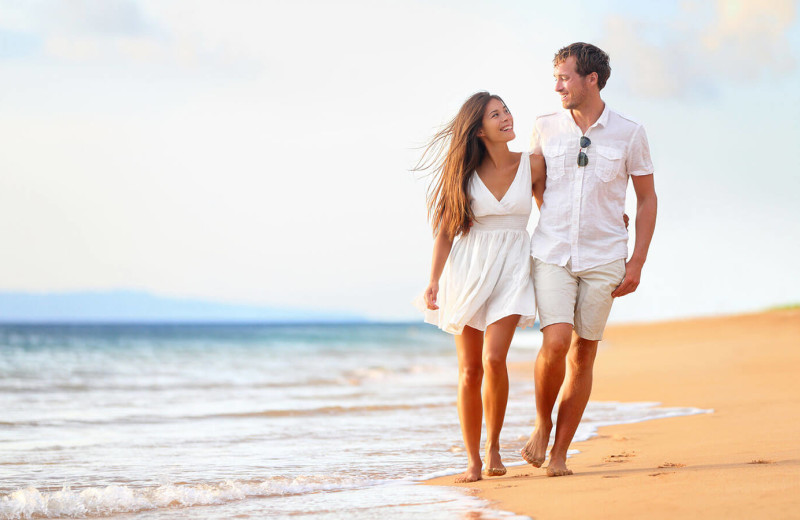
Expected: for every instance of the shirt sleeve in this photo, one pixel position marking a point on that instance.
(638, 161)
(536, 143)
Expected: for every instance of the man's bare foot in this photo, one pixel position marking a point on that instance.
(535, 450)
(494, 464)
(557, 468)
(473, 474)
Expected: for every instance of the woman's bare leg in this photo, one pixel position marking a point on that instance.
(496, 342)
(470, 411)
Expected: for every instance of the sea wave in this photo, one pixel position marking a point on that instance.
(335, 410)
(101, 501)
(289, 412)
(48, 387)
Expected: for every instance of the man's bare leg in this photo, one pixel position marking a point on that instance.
(495, 390)
(469, 345)
(548, 376)
(577, 389)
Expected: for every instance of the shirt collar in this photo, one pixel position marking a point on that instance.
(601, 121)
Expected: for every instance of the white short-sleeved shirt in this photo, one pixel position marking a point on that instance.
(581, 217)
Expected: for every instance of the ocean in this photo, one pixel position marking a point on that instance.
(210, 421)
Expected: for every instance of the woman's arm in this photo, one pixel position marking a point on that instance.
(441, 250)
(538, 177)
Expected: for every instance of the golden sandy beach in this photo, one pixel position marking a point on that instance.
(742, 461)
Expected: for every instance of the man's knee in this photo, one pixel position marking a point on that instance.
(582, 354)
(557, 339)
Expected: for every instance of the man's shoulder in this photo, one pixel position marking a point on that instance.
(625, 119)
(551, 114)
(547, 123)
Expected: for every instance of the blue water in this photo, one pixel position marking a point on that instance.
(246, 421)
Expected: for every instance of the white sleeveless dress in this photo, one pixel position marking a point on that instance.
(488, 273)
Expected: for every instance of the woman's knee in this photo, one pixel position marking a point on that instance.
(494, 362)
(471, 375)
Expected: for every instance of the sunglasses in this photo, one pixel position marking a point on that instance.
(583, 159)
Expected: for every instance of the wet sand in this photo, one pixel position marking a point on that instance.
(742, 461)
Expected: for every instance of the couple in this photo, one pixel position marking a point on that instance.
(576, 258)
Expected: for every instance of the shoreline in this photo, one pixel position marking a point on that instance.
(741, 461)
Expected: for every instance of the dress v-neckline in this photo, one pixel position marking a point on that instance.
(501, 199)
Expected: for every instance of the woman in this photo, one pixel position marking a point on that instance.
(482, 194)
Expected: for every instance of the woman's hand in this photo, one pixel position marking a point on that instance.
(430, 295)
(441, 250)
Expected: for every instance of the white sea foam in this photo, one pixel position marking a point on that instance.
(100, 501)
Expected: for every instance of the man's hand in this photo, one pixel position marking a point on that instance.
(633, 274)
(646, 204)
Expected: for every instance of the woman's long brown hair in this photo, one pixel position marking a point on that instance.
(448, 198)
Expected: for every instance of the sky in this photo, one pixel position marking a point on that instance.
(259, 152)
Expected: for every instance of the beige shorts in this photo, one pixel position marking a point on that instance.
(582, 299)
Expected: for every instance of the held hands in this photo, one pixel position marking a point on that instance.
(430, 295)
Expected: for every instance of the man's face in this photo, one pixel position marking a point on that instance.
(570, 85)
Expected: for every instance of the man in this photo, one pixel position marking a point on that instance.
(579, 247)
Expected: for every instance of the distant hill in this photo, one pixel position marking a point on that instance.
(135, 306)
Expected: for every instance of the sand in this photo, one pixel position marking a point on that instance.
(741, 461)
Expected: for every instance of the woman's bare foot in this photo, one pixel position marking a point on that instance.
(535, 450)
(557, 467)
(473, 474)
(494, 464)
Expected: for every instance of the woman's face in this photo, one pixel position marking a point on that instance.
(497, 124)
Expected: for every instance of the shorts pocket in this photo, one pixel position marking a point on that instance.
(609, 162)
(621, 272)
(556, 158)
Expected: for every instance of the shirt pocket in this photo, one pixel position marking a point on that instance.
(555, 156)
(610, 161)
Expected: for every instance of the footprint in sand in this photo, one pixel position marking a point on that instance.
(672, 465)
(620, 457)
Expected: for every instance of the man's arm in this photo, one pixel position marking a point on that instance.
(646, 205)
